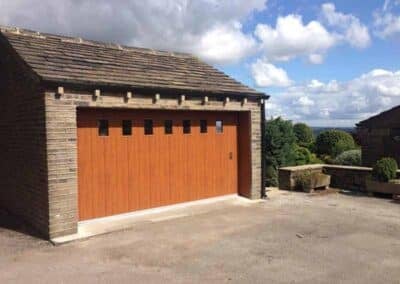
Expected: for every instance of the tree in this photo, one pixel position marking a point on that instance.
(302, 155)
(279, 149)
(334, 142)
(304, 134)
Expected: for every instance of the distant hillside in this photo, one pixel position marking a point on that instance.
(318, 130)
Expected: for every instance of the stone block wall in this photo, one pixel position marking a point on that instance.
(346, 177)
(23, 167)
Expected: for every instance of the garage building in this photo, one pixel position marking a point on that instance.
(90, 130)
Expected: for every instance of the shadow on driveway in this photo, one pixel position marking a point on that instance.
(11, 222)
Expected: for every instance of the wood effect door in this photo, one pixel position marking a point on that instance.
(121, 168)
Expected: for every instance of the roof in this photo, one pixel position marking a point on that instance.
(60, 59)
(383, 118)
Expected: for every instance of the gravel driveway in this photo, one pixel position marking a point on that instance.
(291, 238)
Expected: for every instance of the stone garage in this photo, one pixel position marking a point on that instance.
(90, 130)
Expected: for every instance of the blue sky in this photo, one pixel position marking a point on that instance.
(342, 62)
(326, 63)
(379, 54)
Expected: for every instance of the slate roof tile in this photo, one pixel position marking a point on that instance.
(64, 59)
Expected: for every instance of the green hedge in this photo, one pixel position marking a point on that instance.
(279, 149)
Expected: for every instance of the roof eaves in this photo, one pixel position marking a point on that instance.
(13, 52)
(373, 118)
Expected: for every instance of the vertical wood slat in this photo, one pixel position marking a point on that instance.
(119, 173)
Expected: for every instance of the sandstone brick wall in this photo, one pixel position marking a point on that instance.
(62, 143)
(23, 168)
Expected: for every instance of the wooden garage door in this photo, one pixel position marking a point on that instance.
(131, 160)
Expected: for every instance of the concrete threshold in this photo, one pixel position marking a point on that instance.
(99, 226)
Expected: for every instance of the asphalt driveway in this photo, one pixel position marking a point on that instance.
(292, 238)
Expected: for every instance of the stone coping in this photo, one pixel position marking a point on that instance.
(356, 168)
(303, 167)
(318, 166)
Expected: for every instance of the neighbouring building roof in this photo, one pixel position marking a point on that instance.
(59, 59)
(387, 118)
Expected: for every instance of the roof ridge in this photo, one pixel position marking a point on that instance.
(80, 40)
(378, 115)
(19, 31)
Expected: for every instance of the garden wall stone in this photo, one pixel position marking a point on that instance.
(342, 177)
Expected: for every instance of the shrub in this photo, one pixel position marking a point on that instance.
(311, 147)
(303, 156)
(315, 160)
(349, 158)
(303, 181)
(385, 169)
(333, 142)
(326, 159)
(279, 148)
(304, 134)
(271, 176)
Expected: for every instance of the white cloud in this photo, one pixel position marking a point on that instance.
(211, 29)
(383, 82)
(266, 74)
(305, 101)
(386, 22)
(225, 43)
(315, 84)
(339, 103)
(350, 27)
(199, 26)
(386, 5)
(316, 58)
(292, 38)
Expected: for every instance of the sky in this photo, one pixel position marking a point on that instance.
(326, 63)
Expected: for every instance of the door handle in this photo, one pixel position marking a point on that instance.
(230, 155)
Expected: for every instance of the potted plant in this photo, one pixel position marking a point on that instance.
(383, 179)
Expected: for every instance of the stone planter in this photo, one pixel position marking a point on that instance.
(320, 180)
(391, 187)
(288, 175)
(314, 181)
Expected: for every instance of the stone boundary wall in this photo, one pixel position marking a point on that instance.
(348, 177)
(342, 177)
